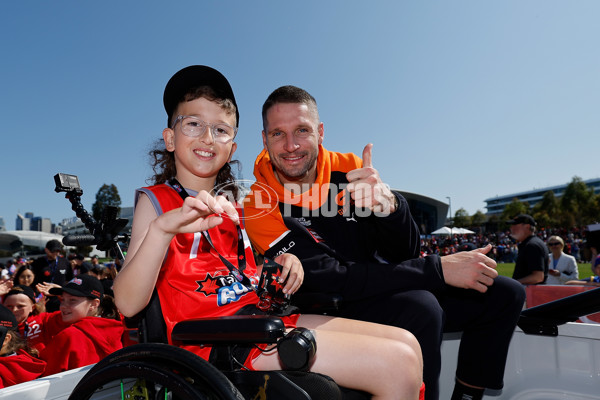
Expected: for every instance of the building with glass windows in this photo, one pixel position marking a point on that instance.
(495, 205)
(429, 214)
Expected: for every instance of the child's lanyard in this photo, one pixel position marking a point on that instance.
(238, 272)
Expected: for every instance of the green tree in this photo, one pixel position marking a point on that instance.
(478, 219)
(547, 212)
(595, 209)
(576, 204)
(107, 195)
(514, 208)
(461, 218)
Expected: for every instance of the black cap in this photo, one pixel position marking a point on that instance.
(53, 245)
(21, 289)
(523, 219)
(82, 286)
(7, 318)
(192, 77)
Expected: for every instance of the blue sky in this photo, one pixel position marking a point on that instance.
(462, 99)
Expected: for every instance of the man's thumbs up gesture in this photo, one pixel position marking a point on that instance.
(367, 189)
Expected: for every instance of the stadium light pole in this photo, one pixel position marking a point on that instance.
(450, 212)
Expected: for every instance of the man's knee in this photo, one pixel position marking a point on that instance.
(509, 292)
(419, 312)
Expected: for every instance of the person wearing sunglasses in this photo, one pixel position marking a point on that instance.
(563, 267)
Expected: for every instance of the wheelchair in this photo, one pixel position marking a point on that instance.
(154, 369)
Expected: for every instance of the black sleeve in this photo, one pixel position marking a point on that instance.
(397, 237)
(327, 272)
(536, 257)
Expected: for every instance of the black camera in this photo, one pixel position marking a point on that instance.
(272, 300)
(67, 183)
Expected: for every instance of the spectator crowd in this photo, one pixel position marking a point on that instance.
(57, 314)
(504, 247)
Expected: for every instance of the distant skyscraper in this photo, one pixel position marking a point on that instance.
(2, 224)
(41, 224)
(22, 223)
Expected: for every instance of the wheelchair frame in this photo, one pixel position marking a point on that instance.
(154, 369)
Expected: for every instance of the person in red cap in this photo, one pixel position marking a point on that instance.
(17, 361)
(531, 266)
(75, 336)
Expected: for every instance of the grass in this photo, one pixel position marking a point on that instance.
(506, 269)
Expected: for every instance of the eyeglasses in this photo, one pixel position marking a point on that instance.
(194, 127)
(554, 244)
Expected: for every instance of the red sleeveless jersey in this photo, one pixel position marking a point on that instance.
(193, 281)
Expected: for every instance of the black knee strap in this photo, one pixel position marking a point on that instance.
(297, 349)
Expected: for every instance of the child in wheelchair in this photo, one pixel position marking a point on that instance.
(188, 242)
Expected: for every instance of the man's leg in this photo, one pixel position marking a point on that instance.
(417, 311)
(487, 321)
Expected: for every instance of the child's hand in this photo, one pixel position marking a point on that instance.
(198, 214)
(44, 288)
(5, 286)
(292, 271)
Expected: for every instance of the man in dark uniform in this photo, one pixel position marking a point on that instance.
(355, 237)
(531, 267)
(52, 268)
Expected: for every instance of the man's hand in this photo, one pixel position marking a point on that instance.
(292, 271)
(367, 189)
(470, 269)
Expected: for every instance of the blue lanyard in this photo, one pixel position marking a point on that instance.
(53, 269)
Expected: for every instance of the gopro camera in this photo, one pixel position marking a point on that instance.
(67, 183)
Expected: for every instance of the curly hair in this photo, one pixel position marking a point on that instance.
(163, 161)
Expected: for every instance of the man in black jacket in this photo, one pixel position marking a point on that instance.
(357, 238)
(52, 268)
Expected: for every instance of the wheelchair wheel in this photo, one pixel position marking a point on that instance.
(152, 372)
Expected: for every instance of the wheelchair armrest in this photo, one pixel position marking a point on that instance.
(231, 329)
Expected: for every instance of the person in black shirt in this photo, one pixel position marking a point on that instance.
(531, 267)
(52, 268)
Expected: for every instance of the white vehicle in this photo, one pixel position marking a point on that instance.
(548, 360)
